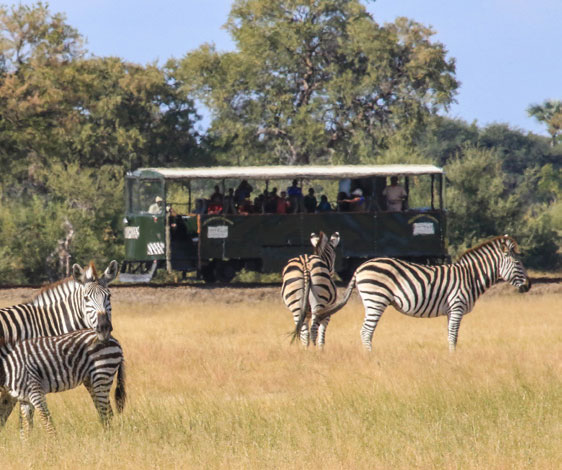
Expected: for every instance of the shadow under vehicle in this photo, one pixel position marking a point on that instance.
(183, 232)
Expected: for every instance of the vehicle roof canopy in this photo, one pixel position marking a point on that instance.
(285, 172)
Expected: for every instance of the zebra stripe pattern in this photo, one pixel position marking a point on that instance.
(30, 369)
(82, 301)
(308, 287)
(431, 291)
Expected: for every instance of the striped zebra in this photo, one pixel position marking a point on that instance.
(32, 368)
(81, 301)
(308, 287)
(430, 291)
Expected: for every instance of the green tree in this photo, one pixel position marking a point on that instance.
(550, 113)
(316, 81)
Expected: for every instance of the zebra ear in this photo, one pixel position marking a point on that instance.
(78, 273)
(314, 239)
(110, 273)
(335, 239)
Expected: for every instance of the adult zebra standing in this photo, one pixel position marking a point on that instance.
(81, 301)
(308, 287)
(32, 368)
(430, 291)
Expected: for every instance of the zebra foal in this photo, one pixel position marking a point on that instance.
(308, 287)
(32, 368)
(431, 291)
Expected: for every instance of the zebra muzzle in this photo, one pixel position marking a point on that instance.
(525, 287)
(105, 327)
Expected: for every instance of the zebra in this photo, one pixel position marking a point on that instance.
(308, 287)
(81, 301)
(32, 368)
(431, 291)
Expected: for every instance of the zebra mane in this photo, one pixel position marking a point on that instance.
(43, 296)
(491, 241)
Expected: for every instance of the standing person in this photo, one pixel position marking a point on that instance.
(310, 202)
(395, 195)
(243, 191)
(294, 194)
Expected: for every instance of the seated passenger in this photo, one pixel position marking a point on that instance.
(157, 206)
(324, 205)
(246, 207)
(395, 195)
(228, 205)
(270, 206)
(357, 203)
(310, 202)
(215, 202)
(282, 204)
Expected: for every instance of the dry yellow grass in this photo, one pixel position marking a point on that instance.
(214, 382)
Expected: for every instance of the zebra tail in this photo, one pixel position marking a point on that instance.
(341, 304)
(304, 305)
(120, 392)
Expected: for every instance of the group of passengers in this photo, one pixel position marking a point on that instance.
(290, 201)
(268, 202)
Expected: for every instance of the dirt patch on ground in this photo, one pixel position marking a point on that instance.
(227, 294)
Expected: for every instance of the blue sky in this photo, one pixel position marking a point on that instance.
(507, 51)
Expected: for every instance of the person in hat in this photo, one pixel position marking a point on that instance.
(157, 206)
(357, 202)
(395, 195)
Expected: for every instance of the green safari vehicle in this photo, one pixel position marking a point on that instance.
(174, 221)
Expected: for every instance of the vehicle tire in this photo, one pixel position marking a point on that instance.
(208, 273)
(225, 271)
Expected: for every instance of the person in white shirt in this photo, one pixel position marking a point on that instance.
(395, 195)
(157, 206)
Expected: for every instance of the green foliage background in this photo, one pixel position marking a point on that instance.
(310, 81)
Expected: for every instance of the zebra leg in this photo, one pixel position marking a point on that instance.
(99, 389)
(454, 322)
(7, 404)
(26, 419)
(313, 330)
(37, 399)
(322, 332)
(372, 316)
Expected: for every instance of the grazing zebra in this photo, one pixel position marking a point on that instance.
(308, 287)
(32, 368)
(81, 301)
(430, 291)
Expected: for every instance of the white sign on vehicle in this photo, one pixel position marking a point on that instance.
(424, 228)
(132, 233)
(217, 231)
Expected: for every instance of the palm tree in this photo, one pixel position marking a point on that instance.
(550, 112)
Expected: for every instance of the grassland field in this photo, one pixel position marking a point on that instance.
(214, 383)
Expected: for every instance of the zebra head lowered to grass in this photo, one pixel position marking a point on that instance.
(430, 291)
(32, 368)
(80, 301)
(308, 287)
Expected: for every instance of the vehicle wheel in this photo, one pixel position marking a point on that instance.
(208, 273)
(225, 271)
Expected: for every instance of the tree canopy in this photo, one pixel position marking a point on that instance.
(317, 81)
